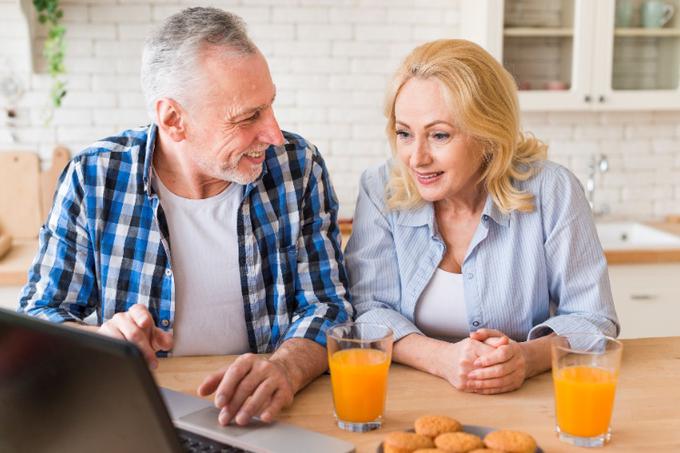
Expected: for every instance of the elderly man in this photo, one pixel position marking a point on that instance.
(209, 231)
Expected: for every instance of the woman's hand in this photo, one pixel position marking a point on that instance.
(460, 361)
(501, 370)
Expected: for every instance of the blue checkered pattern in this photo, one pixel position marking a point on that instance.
(106, 246)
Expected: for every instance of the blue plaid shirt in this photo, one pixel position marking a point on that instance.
(106, 246)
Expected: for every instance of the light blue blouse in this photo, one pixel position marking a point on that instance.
(526, 274)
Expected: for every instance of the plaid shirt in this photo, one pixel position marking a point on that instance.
(105, 245)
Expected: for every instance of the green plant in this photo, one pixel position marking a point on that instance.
(50, 14)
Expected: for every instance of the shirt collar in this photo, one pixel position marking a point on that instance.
(148, 158)
(424, 215)
(492, 211)
(151, 146)
(420, 215)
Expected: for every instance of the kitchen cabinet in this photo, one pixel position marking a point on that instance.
(647, 299)
(580, 54)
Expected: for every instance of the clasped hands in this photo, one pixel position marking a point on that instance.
(488, 362)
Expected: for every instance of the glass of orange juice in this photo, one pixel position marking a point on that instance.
(359, 356)
(585, 369)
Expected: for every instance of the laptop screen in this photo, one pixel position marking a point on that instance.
(63, 390)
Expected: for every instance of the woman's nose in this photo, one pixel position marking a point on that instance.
(421, 155)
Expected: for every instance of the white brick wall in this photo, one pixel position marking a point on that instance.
(331, 60)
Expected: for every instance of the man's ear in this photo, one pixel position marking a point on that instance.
(171, 118)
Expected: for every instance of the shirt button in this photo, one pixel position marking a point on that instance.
(168, 272)
(469, 275)
(485, 217)
(165, 322)
(476, 323)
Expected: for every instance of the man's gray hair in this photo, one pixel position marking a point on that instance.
(170, 56)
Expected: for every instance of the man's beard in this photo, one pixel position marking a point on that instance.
(231, 172)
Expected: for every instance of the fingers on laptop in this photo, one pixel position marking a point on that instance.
(280, 400)
(210, 383)
(250, 386)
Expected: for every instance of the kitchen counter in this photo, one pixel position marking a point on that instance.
(648, 256)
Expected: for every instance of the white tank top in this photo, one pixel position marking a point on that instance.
(209, 314)
(440, 311)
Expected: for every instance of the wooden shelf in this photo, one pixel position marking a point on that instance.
(538, 32)
(647, 32)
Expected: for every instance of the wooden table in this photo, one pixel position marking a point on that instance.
(646, 412)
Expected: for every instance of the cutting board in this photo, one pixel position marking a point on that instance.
(26, 193)
(20, 214)
(49, 177)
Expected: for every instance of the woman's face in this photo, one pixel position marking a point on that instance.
(444, 162)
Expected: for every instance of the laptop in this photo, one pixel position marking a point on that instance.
(67, 390)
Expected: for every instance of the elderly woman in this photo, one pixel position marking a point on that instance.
(470, 245)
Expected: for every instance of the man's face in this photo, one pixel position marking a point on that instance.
(230, 119)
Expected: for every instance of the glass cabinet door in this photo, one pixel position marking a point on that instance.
(646, 45)
(538, 43)
(583, 54)
(637, 58)
(547, 47)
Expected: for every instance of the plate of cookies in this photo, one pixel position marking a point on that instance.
(443, 434)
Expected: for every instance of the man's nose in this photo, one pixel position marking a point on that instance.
(271, 131)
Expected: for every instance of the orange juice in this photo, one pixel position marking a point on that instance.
(584, 399)
(359, 380)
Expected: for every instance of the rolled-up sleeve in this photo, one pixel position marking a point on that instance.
(321, 281)
(61, 281)
(372, 263)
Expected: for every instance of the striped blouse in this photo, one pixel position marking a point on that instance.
(526, 274)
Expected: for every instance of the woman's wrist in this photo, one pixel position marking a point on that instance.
(536, 355)
(426, 354)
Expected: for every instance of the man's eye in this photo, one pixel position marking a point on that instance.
(254, 117)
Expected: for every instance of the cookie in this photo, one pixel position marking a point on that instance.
(459, 442)
(401, 442)
(434, 425)
(429, 450)
(486, 450)
(510, 441)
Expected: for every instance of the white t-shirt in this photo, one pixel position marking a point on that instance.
(209, 313)
(440, 311)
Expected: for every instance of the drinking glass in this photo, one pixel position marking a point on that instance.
(585, 369)
(359, 356)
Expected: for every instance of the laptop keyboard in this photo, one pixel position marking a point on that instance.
(192, 442)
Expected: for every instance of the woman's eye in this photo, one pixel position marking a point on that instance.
(402, 134)
(441, 136)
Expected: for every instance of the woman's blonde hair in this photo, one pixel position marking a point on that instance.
(482, 96)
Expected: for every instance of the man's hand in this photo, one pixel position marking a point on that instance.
(136, 326)
(257, 386)
(500, 370)
(252, 385)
